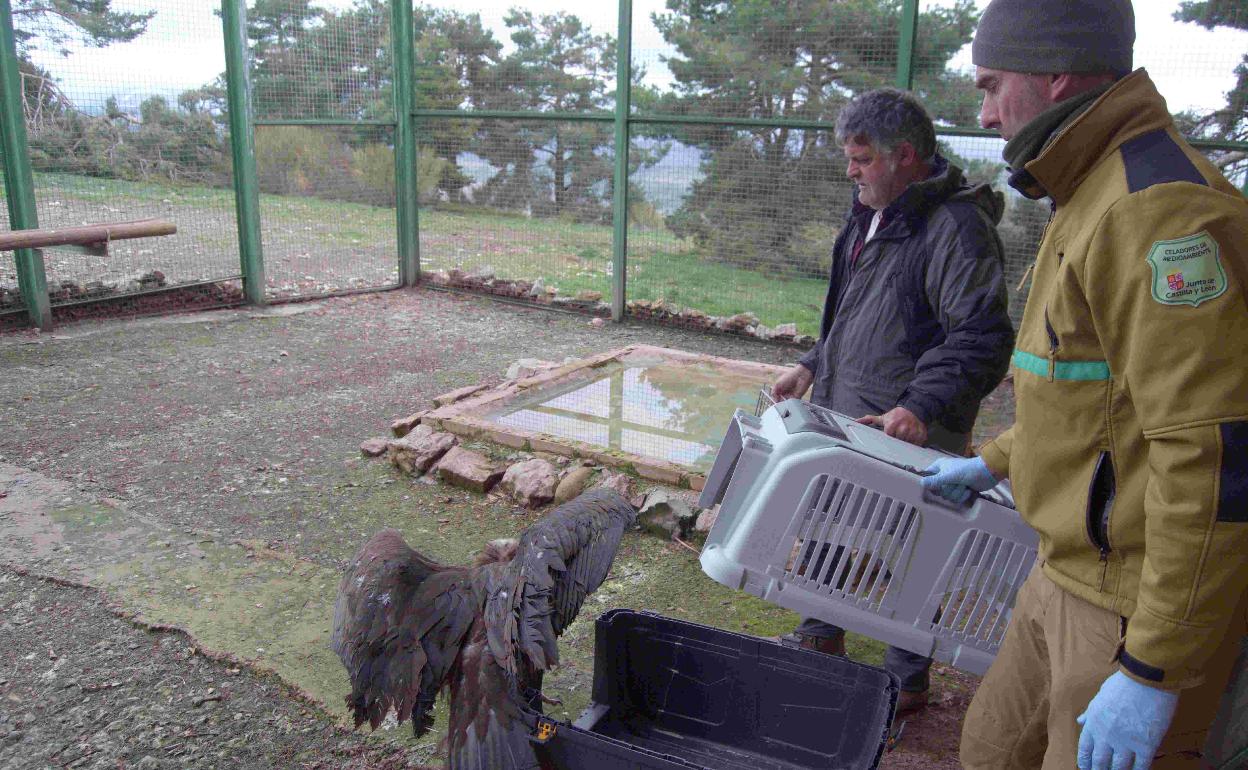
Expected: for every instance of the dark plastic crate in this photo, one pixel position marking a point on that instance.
(675, 695)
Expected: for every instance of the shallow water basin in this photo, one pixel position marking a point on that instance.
(657, 411)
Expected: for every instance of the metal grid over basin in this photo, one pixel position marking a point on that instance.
(656, 411)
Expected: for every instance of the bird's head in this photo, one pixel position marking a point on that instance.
(496, 551)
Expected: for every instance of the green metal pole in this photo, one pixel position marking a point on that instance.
(905, 45)
(18, 180)
(405, 144)
(623, 100)
(243, 149)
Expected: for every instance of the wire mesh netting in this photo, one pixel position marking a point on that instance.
(527, 201)
(533, 59)
(736, 186)
(744, 229)
(11, 299)
(327, 212)
(322, 87)
(320, 61)
(797, 60)
(115, 136)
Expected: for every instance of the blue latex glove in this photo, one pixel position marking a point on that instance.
(1124, 722)
(953, 478)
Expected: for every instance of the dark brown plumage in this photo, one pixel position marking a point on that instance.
(406, 626)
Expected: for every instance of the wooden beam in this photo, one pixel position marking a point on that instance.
(85, 234)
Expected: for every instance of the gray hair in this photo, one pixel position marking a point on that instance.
(885, 118)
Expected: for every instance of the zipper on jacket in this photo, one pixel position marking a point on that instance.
(1101, 493)
(1048, 328)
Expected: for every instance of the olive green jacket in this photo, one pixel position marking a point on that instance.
(1129, 450)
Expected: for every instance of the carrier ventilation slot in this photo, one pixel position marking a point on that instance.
(849, 541)
(978, 587)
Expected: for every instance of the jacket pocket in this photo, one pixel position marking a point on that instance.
(1100, 502)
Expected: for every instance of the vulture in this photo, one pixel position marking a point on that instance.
(407, 627)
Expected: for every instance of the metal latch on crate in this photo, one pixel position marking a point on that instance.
(544, 730)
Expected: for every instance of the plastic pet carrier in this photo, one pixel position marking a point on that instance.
(672, 695)
(826, 517)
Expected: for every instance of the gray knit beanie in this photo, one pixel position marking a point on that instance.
(1055, 36)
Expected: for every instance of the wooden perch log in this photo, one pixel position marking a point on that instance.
(85, 234)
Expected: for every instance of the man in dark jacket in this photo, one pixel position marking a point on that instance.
(915, 331)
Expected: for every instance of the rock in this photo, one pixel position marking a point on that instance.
(588, 295)
(375, 447)
(760, 331)
(66, 289)
(572, 484)
(439, 278)
(459, 394)
(692, 315)
(483, 274)
(666, 515)
(599, 322)
(468, 469)
(785, 332)
(559, 461)
(98, 288)
(527, 367)
(706, 519)
(531, 483)
(151, 279)
(416, 452)
(404, 425)
(804, 339)
(455, 276)
(538, 288)
(620, 482)
(740, 322)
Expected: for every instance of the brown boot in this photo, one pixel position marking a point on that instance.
(908, 701)
(828, 646)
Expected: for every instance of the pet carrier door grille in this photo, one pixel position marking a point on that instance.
(848, 542)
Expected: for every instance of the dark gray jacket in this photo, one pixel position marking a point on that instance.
(920, 319)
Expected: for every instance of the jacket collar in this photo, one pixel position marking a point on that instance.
(1131, 107)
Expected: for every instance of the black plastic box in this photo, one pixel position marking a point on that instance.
(673, 695)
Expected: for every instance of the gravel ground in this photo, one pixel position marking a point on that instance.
(81, 687)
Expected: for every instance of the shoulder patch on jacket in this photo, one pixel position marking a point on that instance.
(1155, 158)
(1187, 271)
(1233, 477)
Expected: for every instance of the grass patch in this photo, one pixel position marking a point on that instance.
(569, 255)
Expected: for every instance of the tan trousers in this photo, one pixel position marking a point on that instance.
(1056, 653)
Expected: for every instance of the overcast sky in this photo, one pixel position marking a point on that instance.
(182, 48)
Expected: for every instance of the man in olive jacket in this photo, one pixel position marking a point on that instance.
(1129, 452)
(915, 330)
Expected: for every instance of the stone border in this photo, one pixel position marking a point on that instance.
(462, 416)
(483, 281)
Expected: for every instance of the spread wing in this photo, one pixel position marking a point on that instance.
(559, 561)
(399, 621)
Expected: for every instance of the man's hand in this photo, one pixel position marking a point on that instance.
(1124, 722)
(954, 478)
(899, 422)
(792, 384)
